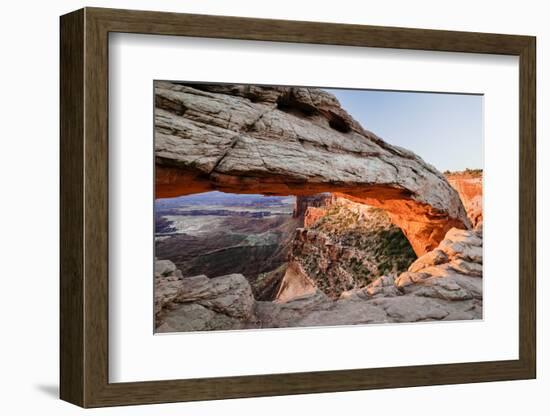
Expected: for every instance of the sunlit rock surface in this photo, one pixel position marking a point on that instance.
(469, 185)
(345, 245)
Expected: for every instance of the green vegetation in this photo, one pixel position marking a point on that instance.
(351, 246)
(475, 173)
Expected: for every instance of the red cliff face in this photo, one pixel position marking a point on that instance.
(343, 245)
(469, 186)
(303, 203)
(313, 214)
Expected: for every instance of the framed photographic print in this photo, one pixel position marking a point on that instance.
(256, 207)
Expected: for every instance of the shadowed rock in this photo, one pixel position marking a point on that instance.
(436, 287)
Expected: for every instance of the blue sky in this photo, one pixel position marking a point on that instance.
(446, 130)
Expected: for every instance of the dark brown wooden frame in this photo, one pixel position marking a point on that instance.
(84, 208)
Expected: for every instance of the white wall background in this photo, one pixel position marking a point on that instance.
(29, 210)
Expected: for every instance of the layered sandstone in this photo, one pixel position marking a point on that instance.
(282, 141)
(304, 204)
(313, 215)
(198, 303)
(469, 185)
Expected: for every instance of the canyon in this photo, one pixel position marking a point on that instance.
(275, 208)
(343, 245)
(469, 185)
(217, 233)
(444, 284)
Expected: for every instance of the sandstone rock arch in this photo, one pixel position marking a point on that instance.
(294, 141)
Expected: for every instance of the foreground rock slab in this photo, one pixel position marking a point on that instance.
(445, 284)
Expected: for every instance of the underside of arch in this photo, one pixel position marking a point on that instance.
(293, 141)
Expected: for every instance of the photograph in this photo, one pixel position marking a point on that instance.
(259, 204)
(290, 206)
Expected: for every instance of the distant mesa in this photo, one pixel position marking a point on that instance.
(469, 185)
